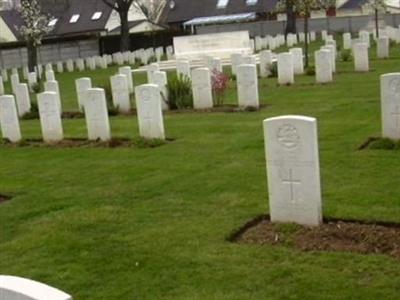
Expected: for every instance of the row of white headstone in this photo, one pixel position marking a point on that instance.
(291, 144)
(272, 42)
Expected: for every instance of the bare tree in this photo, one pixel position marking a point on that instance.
(122, 7)
(290, 17)
(152, 9)
(34, 27)
(377, 6)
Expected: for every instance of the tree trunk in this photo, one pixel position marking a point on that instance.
(306, 39)
(125, 42)
(376, 23)
(290, 18)
(32, 55)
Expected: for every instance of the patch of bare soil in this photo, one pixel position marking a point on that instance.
(84, 143)
(333, 235)
(4, 198)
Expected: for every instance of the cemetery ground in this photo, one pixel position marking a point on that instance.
(155, 223)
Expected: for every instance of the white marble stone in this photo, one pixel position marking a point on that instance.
(361, 60)
(249, 60)
(127, 71)
(365, 37)
(120, 93)
(91, 63)
(236, 60)
(50, 120)
(265, 63)
(1, 86)
(332, 52)
(390, 105)
(382, 44)
(70, 65)
(215, 65)
(346, 40)
(80, 64)
(291, 144)
(81, 86)
(160, 79)
(247, 85)
(9, 122)
(32, 80)
(323, 66)
(52, 86)
(202, 88)
(14, 82)
(217, 44)
(23, 99)
(25, 72)
(285, 68)
(17, 288)
(298, 64)
(183, 68)
(96, 115)
(150, 118)
(4, 75)
(50, 75)
(154, 67)
(60, 67)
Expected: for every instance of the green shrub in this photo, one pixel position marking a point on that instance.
(179, 92)
(112, 109)
(383, 144)
(152, 59)
(164, 57)
(310, 71)
(345, 55)
(273, 70)
(37, 88)
(33, 114)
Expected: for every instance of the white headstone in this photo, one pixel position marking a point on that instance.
(48, 67)
(161, 80)
(50, 120)
(120, 92)
(81, 86)
(4, 74)
(361, 60)
(148, 104)
(80, 64)
(265, 63)
(285, 68)
(32, 80)
(96, 115)
(365, 38)
(16, 288)
(247, 85)
(183, 68)
(9, 122)
(23, 99)
(1, 86)
(202, 88)
(154, 67)
(52, 86)
(50, 75)
(60, 67)
(215, 65)
(127, 71)
(70, 65)
(332, 51)
(14, 82)
(298, 64)
(382, 44)
(236, 60)
(347, 40)
(291, 144)
(390, 102)
(323, 66)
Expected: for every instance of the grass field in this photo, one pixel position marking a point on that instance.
(131, 223)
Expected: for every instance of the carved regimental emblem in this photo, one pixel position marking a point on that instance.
(394, 86)
(288, 136)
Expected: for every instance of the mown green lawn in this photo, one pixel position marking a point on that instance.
(131, 223)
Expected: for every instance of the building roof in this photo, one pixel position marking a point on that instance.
(353, 4)
(13, 21)
(184, 10)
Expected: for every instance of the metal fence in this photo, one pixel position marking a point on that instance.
(333, 24)
(50, 53)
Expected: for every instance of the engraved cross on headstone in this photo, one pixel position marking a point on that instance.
(292, 183)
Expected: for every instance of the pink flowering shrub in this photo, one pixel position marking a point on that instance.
(220, 83)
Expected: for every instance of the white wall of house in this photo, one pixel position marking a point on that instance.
(6, 34)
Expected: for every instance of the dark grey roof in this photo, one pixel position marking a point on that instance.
(185, 10)
(13, 21)
(353, 4)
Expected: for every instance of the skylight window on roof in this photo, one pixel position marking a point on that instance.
(97, 15)
(251, 2)
(222, 3)
(74, 19)
(53, 22)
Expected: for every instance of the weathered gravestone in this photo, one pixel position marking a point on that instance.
(361, 60)
(332, 52)
(81, 86)
(285, 68)
(150, 118)
(390, 103)
(50, 120)
(382, 44)
(17, 288)
(291, 144)
(202, 88)
(50, 75)
(96, 115)
(52, 86)
(323, 66)
(120, 93)
(298, 65)
(161, 80)
(127, 71)
(23, 99)
(247, 84)
(265, 63)
(9, 122)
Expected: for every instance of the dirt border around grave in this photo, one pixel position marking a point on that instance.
(334, 235)
(4, 198)
(85, 143)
